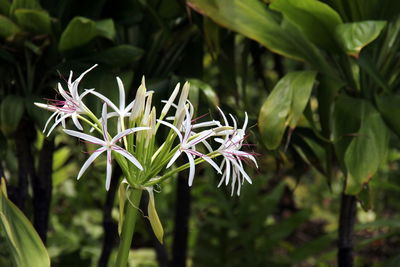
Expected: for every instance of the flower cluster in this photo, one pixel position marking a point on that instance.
(134, 146)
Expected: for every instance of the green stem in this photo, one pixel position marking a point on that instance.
(128, 227)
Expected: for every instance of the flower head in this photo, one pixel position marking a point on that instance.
(107, 145)
(230, 149)
(70, 106)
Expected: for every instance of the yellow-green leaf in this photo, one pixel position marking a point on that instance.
(26, 247)
(8, 29)
(37, 21)
(153, 217)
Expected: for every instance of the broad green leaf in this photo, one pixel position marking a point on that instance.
(354, 36)
(37, 21)
(316, 19)
(25, 245)
(254, 20)
(79, 32)
(106, 28)
(12, 109)
(8, 29)
(389, 107)
(367, 149)
(153, 217)
(284, 106)
(118, 56)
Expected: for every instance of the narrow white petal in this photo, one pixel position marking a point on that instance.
(191, 168)
(234, 121)
(201, 136)
(86, 137)
(173, 128)
(240, 168)
(173, 159)
(206, 124)
(126, 132)
(128, 156)
(121, 94)
(76, 121)
(171, 99)
(228, 171)
(246, 119)
(47, 122)
(89, 161)
(104, 122)
(109, 170)
(223, 116)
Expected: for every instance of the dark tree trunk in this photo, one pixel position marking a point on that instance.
(346, 227)
(182, 214)
(42, 188)
(110, 227)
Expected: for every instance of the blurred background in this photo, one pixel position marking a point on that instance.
(233, 53)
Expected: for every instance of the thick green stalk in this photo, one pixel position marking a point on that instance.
(128, 228)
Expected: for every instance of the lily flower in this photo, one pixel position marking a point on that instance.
(233, 156)
(70, 106)
(188, 141)
(107, 145)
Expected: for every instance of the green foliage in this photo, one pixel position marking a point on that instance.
(284, 106)
(37, 21)
(354, 36)
(11, 111)
(79, 32)
(23, 242)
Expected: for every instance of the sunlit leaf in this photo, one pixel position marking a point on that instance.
(254, 20)
(354, 36)
(316, 19)
(24, 243)
(284, 106)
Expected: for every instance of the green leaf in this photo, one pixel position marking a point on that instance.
(388, 106)
(12, 109)
(8, 29)
(284, 106)
(153, 217)
(367, 149)
(355, 36)
(254, 20)
(106, 28)
(79, 32)
(26, 4)
(25, 245)
(118, 56)
(316, 19)
(37, 21)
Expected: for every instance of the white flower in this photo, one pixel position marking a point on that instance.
(188, 142)
(107, 145)
(70, 106)
(233, 156)
(122, 111)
